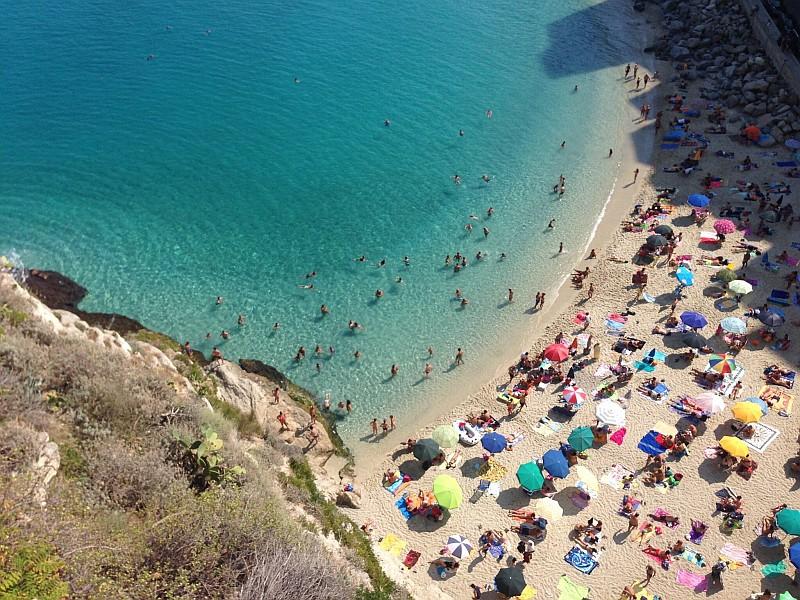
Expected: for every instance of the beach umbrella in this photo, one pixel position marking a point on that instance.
(494, 442)
(574, 395)
(445, 436)
(530, 476)
(726, 275)
(588, 478)
(426, 450)
(724, 226)
(770, 216)
(664, 230)
(555, 463)
(694, 319)
(722, 363)
(556, 352)
(740, 287)
(733, 325)
(684, 276)
(448, 494)
(581, 438)
(764, 406)
(747, 412)
(699, 200)
(611, 413)
(656, 241)
(458, 546)
(772, 318)
(752, 132)
(786, 596)
(694, 340)
(548, 509)
(794, 554)
(709, 402)
(510, 581)
(734, 446)
(788, 519)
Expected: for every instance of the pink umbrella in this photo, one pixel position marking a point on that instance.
(574, 395)
(709, 402)
(724, 226)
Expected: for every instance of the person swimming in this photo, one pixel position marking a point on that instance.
(220, 300)
(460, 133)
(486, 178)
(311, 275)
(457, 179)
(306, 286)
(360, 259)
(378, 294)
(406, 261)
(296, 80)
(387, 123)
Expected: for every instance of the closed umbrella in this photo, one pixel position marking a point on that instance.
(494, 442)
(699, 200)
(709, 402)
(734, 446)
(611, 413)
(694, 319)
(445, 436)
(726, 275)
(581, 438)
(447, 492)
(588, 478)
(684, 276)
(530, 476)
(770, 216)
(556, 352)
(555, 463)
(788, 519)
(724, 226)
(664, 230)
(426, 450)
(574, 395)
(794, 554)
(510, 581)
(548, 509)
(656, 241)
(722, 363)
(694, 340)
(734, 325)
(740, 287)
(747, 412)
(772, 318)
(458, 546)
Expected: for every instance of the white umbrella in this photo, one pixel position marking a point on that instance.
(548, 509)
(610, 413)
(459, 546)
(709, 402)
(587, 482)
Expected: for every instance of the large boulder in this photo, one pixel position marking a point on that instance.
(348, 500)
(679, 52)
(756, 85)
(236, 388)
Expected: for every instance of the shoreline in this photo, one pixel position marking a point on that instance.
(484, 385)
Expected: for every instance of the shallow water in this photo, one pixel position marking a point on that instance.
(160, 184)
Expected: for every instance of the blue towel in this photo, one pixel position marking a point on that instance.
(785, 163)
(401, 506)
(581, 560)
(674, 136)
(661, 389)
(649, 445)
(393, 488)
(670, 146)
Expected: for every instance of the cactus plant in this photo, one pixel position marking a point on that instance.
(204, 463)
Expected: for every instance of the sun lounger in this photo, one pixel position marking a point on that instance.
(779, 297)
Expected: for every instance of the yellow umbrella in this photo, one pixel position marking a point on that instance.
(747, 412)
(587, 477)
(549, 509)
(734, 446)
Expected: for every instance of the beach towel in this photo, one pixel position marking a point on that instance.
(411, 559)
(569, 590)
(613, 477)
(695, 537)
(694, 558)
(392, 544)
(665, 429)
(652, 554)
(496, 551)
(581, 560)
(649, 445)
(782, 401)
(401, 506)
(785, 163)
(603, 371)
(693, 581)
(734, 553)
(618, 436)
(772, 569)
(762, 437)
(393, 488)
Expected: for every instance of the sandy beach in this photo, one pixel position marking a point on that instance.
(622, 560)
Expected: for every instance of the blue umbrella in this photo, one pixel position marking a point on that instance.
(794, 554)
(694, 319)
(555, 463)
(685, 276)
(699, 200)
(764, 406)
(772, 318)
(734, 325)
(494, 442)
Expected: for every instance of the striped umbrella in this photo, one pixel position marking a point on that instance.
(574, 395)
(722, 363)
(459, 546)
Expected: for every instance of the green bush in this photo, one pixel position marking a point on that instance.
(30, 572)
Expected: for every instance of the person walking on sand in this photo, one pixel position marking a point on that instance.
(391, 422)
(374, 425)
(638, 81)
(538, 298)
(510, 295)
(459, 357)
(646, 79)
(746, 259)
(426, 372)
(586, 321)
(541, 301)
(635, 175)
(635, 69)
(633, 522)
(590, 292)
(649, 573)
(560, 247)
(610, 152)
(627, 70)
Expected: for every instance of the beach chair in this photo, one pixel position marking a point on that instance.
(483, 485)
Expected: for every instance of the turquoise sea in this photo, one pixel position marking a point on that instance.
(207, 170)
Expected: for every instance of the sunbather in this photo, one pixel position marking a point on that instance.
(666, 518)
(522, 513)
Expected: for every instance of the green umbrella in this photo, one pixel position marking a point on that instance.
(789, 520)
(581, 438)
(786, 596)
(510, 582)
(448, 494)
(530, 476)
(445, 435)
(426, 450)
(726, 275)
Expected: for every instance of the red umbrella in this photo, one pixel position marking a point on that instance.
(556, 352)
(752, 132)
(724, 226)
